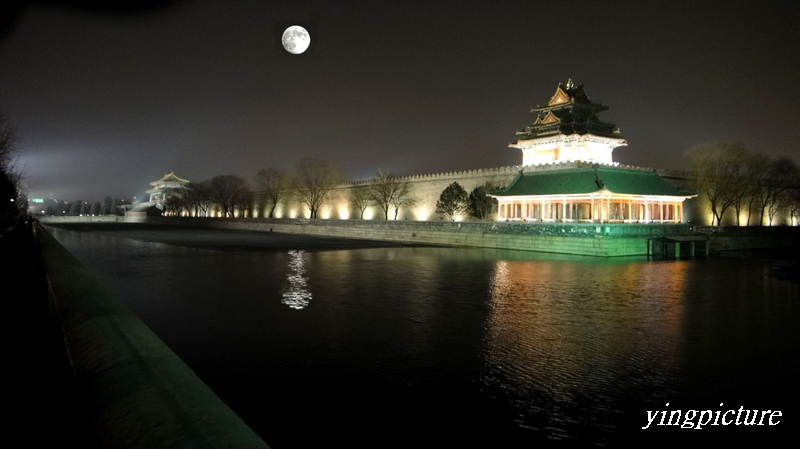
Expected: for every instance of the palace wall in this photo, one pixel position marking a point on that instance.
(426, 190)
(548, 138)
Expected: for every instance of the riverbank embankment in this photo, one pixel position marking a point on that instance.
(586, 239)
(232, 240)
(563, 238)
(132, 389)
(37, 366)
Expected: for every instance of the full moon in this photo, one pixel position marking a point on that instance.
(296, 39)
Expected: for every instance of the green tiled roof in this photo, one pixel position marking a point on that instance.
(583, 180)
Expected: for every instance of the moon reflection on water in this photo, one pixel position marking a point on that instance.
(296, 294)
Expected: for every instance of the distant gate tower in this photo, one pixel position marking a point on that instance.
(164, 188)
(567, 129)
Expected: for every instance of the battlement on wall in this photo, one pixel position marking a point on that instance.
(514, 169)
(508, 170)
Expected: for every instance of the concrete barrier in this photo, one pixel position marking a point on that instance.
(137, 392)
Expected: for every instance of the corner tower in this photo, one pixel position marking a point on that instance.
(568, 129)
(164, 188)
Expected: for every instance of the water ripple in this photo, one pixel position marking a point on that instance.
(296, 294)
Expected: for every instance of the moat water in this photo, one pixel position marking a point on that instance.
(437, 347)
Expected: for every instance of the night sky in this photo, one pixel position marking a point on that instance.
(105, 102)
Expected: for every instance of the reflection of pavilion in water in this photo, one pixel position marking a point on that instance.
(562, 343)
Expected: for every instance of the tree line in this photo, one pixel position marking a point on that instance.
(731, 178)
(311, 184)
(79, 207)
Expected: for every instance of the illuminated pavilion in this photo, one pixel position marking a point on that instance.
(161, 188)
(569, 173)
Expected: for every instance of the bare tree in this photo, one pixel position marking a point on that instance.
(765, 190)
(360, 199)
(390, 192)
(794, 204)
(381, 190)
(198, 198)
(313, 180)
(275, 184)
(246, 203)
(402, 196)
(19, 192)
(8, 148)
(14, 195)
(784, 175)
(716, 168)
(742, 190)
(758, 165)
(229, 192)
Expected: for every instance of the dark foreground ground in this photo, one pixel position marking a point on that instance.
(40, 400)
(232, 241)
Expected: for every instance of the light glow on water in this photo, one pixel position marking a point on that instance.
(296, 294)
(487, 348)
